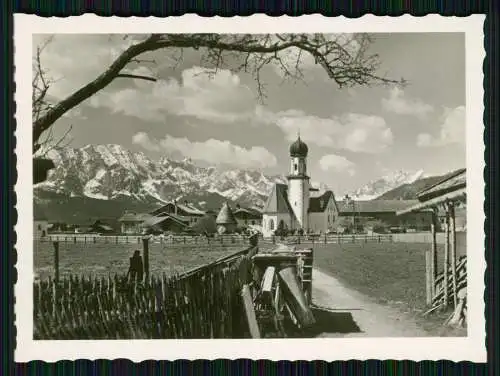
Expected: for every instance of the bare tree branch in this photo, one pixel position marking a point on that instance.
(345, 60)
(136, 76)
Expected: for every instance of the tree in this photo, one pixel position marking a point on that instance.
(345, 59)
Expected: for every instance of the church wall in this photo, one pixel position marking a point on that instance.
(324, 221)
(267, 230)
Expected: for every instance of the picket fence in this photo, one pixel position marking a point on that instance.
(201, 303)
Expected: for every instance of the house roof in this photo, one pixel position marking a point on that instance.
(153, 221)
(319, 204)
(453, 182)
(134, 217)
(277, 201)
(225, 215)
(455, 195)
(187, 208)
(247, 213)
(376, 206)
(190, 209)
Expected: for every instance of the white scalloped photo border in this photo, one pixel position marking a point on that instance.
(470, 348)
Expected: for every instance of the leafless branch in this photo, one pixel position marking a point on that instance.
(346, 61)
(136, 76)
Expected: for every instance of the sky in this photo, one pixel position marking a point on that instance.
(354, 134)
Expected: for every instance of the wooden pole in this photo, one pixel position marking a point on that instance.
(145, 248)
(446, 255)
(56, 261)
(453, 244)
(428, 276)
(434, 264)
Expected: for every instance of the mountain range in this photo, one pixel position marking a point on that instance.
(102, 181)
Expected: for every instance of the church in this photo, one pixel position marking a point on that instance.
(296, 205)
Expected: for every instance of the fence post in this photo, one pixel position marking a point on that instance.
(56, 261)
(145, 248)
(74, 239)
(353, 238)
(94, 239)
(325, 238)
(379, 238)
(274, 240)
(85, 240)
(366, 238)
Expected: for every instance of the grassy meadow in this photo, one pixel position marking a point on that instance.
(109, 259)
(390, 273)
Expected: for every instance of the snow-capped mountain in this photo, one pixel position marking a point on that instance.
(108, 172)
(378, 187)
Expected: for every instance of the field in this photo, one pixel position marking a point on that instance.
(389, 273)
(109, 259)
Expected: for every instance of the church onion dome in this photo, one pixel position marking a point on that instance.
(298, 148)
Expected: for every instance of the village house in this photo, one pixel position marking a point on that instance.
(360, 214)
(184, 212)
(247, 216)
(130, 222)
(291, 207)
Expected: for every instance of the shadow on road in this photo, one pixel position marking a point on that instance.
(332, 322)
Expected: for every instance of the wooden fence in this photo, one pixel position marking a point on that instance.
(328, 239)
(222, 239)
(201, 303)
(135, 239)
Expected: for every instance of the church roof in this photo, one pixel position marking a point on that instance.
(277, 201)
(319, 204)
(225, 216)
(298, 148)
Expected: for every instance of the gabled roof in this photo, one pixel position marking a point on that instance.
(320, 203)
(247, 213)
(187, 208)
(225, 216)
(134, 217)
(153, 221)
(452, 182)
(277, 201)
(376, 206)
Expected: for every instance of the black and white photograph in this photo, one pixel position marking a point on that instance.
(248, 184)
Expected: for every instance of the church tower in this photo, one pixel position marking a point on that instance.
(298, 183)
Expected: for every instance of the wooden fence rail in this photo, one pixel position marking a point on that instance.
(202, 303)
(224, 239)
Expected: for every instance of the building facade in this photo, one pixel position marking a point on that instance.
(290, 207)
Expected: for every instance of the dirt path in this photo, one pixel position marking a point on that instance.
(351, 314)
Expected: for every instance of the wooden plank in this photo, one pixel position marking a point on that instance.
(453, 251)
(434, 251)
(268, 279)
(56, 261)
(253, 326)
(428, 277)
(446, 256)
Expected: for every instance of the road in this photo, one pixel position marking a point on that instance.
(345, 312)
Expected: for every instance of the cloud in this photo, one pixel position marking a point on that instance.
(353, 132)
(217, 97)
(337, 163)
(211, 151)
(399, 104)
(452, 129)
(70, 68)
